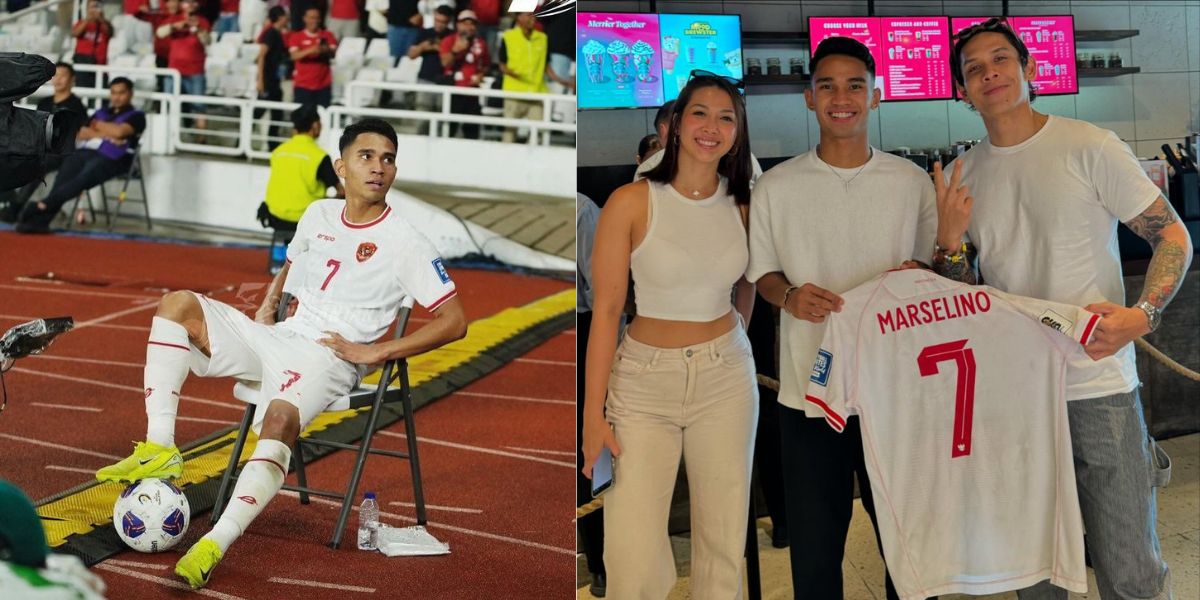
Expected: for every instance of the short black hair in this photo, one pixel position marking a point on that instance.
(65, 65)
(123, 81)
(276, 12)
(993, 25)
(843, 46)
(445, 11)
(378, 126)
(645, 145)
(305, 117)
(663, 116)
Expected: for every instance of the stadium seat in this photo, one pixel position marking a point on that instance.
(368, 97)
(350, 53)
(360, 397)
(379, 48)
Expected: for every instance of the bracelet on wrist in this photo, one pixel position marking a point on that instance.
(788, 294)
(957, 255)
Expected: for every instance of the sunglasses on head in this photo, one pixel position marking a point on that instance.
(738, 84)
(992, 24)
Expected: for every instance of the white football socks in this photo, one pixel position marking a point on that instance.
(260, 480)
(167, 354)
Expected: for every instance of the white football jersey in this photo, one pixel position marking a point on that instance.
(350, 277)
(960, 393)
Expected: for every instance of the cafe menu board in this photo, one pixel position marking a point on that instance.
(917, 61)
(911, 53)
(1051, 43)
(710, 43)
(621, 59)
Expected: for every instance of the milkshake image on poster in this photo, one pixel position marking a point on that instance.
(643, 56)
(618, 51)
(691, 54)
(733, 62)
(712, 51)
(593, 53)
(670, 52)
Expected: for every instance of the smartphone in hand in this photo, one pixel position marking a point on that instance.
(602, 472)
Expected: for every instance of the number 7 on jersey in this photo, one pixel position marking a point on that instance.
(964, 388)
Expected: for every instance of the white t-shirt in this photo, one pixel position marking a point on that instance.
(351, 277)
(653, 160)
(1045, 224)
(960, 394)
(805, 224)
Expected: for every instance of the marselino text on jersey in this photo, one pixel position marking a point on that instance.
(932, 311)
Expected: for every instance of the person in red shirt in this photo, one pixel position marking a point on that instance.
(91, 42)
(465, 58)
(312, 50)
(228, 19)
(343, 18)
(188, 33)
(162, 46)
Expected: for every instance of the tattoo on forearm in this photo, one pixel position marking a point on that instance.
(1165, 273)
(1152, 221)
(964, 270)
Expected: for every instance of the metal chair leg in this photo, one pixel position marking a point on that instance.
(298, 467)
(145, 198)
(410, 430)
(223, 491)
(364, 449)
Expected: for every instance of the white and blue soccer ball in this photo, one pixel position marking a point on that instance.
(151, 515)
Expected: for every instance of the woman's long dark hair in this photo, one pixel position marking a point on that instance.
(734, 166)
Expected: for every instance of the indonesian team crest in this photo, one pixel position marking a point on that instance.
(365, 250)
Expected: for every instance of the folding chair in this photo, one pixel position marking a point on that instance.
(134, 172)
(358, 398)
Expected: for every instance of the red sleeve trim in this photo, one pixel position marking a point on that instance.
(153, 343)
(1087, 330)
(436, 304)
(835, 420)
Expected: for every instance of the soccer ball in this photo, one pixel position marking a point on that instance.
(151, 515)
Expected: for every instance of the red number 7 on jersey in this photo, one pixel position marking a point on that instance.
(336, 264)
(964, 389)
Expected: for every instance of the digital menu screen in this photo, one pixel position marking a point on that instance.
(706, 42)
(911, 53)
(1051, 43)
(621, 58)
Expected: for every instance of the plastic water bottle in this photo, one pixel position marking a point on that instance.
(368, 522)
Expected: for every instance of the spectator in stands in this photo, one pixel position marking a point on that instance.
(228, 19)
(297, 8)
(312, 49)
(272, 51)
(428, 9)
(106, 150)
(188, 33)
(465, 59)
(404, 23)
(560, 33)
(62, 99)
(649, 145)
(91, 41)
(523, 55)
(343, 18)
(301, 172)
(428, 49)
(487, 18)
(252, 14)
(162, 45)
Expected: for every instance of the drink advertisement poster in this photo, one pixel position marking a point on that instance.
(620, 60)
(710, 43)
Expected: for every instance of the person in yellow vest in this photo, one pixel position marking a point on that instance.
(301, 172)
(523, 52)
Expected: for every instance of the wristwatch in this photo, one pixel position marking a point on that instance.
(1153, 314)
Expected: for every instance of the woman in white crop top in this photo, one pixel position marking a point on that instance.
(682, 382)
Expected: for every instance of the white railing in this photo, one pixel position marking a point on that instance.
(48, 5)
(242, 127)
(358, 89)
